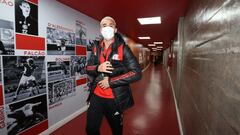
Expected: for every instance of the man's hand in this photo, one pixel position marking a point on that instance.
(105, 67)
(104, 84)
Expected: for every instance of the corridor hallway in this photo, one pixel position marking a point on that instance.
(154, 112)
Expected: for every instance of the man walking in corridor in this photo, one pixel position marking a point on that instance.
(112, 67)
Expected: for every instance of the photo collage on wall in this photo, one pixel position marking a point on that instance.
(63, 71)
(7, 37)
(61, 84)
(24, 80)
(23, 93)
(79, 62)
(38, 70)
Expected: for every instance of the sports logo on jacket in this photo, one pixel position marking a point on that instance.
(115, 57)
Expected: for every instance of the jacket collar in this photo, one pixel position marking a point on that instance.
(102, 43)
(118, 40)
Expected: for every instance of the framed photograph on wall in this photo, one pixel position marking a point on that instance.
(6, 38)
(26, 17)
(24, 77)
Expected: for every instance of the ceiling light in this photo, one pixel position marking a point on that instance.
(151, 45)
(149, 20)
(144, 37)
(159, 43)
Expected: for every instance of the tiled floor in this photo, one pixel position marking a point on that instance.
(154, 112)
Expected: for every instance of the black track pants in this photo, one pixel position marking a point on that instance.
(100, 107)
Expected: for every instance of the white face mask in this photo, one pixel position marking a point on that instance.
(107, 33)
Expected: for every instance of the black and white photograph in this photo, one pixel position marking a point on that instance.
(60, 82)
(6, 38)
(61, 90)
(26, 15)
(24, 77)
(78, 64)
(93, 42)
(60, 42)
(25, 114)
(81, 34)
(58, 70)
